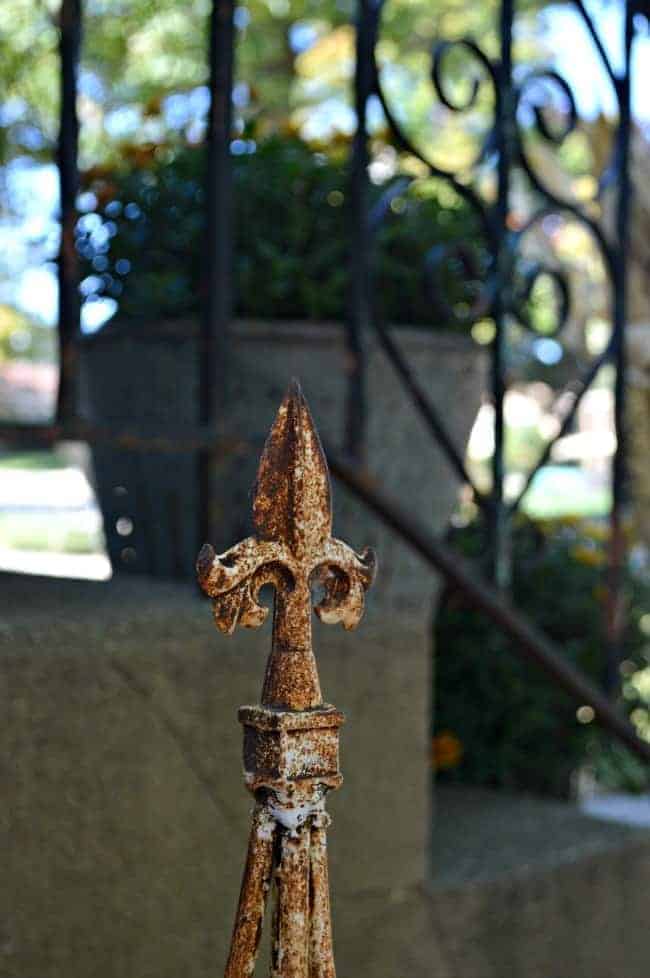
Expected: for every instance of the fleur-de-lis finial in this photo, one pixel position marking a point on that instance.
(291, 741)
(292, 549)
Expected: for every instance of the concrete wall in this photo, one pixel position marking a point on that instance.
(125, 819)
(154, 379)
(400, 450)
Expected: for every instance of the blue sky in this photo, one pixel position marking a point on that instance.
(575, 57)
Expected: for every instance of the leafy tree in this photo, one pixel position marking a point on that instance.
(292, 56)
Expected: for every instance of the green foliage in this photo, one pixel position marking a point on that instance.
(135, 54)
(143, 244)
(28, 64)
(517, 729)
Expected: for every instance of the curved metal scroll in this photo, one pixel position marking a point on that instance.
(525, 106)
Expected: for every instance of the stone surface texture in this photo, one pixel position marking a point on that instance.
(151, 374)
(121, 759)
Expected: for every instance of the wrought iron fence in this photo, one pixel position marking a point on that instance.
(503, 295)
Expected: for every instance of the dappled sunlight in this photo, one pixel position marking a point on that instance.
(575, 479)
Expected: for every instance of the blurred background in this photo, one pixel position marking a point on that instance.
(438, 216)
(139, 238)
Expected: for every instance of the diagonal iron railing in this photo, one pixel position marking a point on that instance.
(529, 641)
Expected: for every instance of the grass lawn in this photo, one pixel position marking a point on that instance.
(31, 460)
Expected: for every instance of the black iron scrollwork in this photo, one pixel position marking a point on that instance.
(541, 104)
(501, 267)
(532, 113)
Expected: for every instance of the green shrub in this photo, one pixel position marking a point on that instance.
(512, 726)
(142, 242)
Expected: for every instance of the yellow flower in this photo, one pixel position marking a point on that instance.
(446, 751)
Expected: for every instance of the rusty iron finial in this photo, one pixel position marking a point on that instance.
(291, 740)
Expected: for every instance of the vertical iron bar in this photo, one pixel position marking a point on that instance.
(358, 318)
(321, 953)
(253, 897)
(615, 612)
(504, 125)
(69, 308)
(217, 284)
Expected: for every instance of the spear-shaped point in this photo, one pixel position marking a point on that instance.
(292, 500)
(292, 549)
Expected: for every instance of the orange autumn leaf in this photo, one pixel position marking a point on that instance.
(447, 751)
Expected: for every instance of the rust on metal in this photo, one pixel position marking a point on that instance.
(291, 740)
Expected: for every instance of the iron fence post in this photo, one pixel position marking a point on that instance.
(217, 284)
(291, 739)
(615, 610)
(359, 306)
(69, 307)
(498, 514)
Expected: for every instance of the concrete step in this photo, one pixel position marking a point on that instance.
(535, 889)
